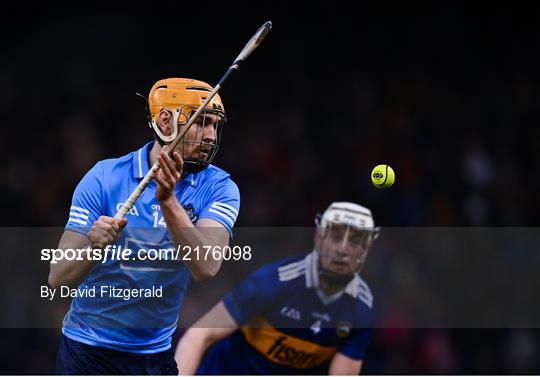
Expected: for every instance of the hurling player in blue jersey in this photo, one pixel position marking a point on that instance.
(125, 310)
(305, 315)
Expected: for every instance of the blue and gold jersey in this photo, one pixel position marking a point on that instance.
(288, 325)
(140, 324)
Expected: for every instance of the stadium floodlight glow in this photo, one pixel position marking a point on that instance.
(252, 44)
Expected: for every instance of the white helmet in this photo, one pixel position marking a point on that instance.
(347, 214)
(351, 219)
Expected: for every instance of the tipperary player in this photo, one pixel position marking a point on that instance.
(308, 315)
(190, 203)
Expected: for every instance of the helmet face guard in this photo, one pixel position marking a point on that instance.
(181, 98)
(343, 240)
(197, 152)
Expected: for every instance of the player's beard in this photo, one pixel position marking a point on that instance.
(191, 152)
(199, 156)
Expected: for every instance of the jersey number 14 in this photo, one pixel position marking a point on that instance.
(158, 221)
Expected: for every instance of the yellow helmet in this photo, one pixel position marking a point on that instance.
(183, 97)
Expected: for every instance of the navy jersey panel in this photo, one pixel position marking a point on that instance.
(288, 325)
(256, 293)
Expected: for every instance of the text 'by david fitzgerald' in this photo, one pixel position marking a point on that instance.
(101, 291)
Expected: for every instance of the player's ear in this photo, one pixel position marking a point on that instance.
(165, 122)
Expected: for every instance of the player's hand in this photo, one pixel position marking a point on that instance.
(105, 231)
(168, 175)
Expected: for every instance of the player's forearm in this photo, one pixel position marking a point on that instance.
(190, 350)
(210, 328)
(342, 365)
(70, 273)
(104, 231)
(183, 233)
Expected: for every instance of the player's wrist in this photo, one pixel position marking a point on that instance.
(169, 202)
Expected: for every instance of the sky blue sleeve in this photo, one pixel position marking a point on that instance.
(224, 204)
(86, 205)
(253, 295)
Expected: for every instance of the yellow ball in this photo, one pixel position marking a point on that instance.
(383, 176)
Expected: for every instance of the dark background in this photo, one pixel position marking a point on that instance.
(445, 93)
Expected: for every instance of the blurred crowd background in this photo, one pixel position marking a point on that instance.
(447, 94)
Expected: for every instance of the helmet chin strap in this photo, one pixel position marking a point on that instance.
(166, 139)
(335, 279)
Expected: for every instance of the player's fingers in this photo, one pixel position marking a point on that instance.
(113, 233)
(106, 222)
(96, 242)
(172, 166)
(117, 227)
(110, 237)
(177, 156)
(97, 245)
(105, 239)
(99, 225)
(175, 174)
(100, 239)
(122, 223)
(107, 232)
(164, 155)
(166, 179)
(172, 174)
(160, 180)
(164, 165)
(171, 180)
(179, 162)
(113, 223)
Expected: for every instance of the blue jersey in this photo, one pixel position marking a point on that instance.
(288, 325)
(139, 324)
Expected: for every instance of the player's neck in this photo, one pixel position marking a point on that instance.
(328, 288)
(154, 153)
